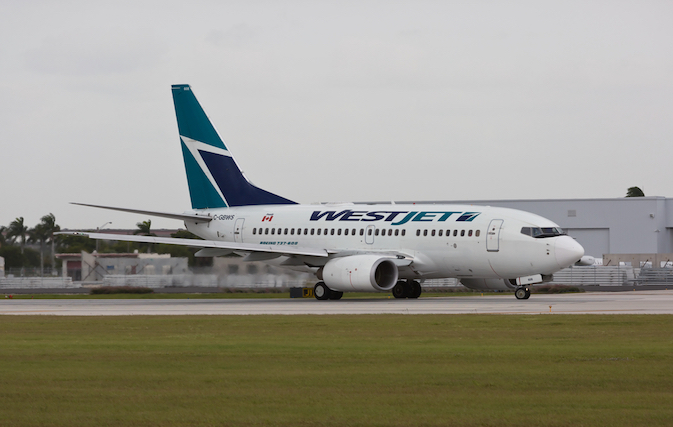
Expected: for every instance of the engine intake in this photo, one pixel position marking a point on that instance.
(360, 273)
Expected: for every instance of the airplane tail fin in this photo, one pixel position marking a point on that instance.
(214, 178)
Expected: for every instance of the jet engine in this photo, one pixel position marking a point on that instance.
(488, 284)
(360, 273)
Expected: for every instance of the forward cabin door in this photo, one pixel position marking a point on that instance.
(238, 230)
(493, 235)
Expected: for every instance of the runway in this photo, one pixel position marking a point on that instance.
(644, 302)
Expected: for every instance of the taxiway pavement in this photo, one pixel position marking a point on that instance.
(643, 302)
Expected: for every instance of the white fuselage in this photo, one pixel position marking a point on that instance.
(443, 241)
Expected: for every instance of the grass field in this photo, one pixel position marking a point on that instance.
(381, 370)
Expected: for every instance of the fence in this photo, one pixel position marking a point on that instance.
(38, 283)
(594, 275)
(205, 281)
(654, 276)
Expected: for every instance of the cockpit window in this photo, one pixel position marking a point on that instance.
(541, 232)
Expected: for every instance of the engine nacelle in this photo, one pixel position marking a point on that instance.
(488, 284)
(360, 273)
(586, 260)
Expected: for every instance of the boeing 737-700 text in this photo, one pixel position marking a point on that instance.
(353, 247)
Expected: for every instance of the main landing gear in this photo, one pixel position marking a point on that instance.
(522, 292)
(321, 292)
(407, 289)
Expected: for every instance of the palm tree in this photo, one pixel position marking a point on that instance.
(17, 230)
(3, 238)
(144, 230)
(48, 223)
(43, 233)
(634, 192)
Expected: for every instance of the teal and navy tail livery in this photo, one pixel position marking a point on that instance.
(214, 178)
(379, 247)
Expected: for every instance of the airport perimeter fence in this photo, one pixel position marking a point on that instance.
(594, 275)
(205, 278)
(622, 275)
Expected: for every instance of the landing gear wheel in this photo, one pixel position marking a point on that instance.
(522, 293)
(321, 292)
(415, 289)
(400, 289)
(335, 294)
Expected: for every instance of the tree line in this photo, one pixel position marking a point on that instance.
(18, 239)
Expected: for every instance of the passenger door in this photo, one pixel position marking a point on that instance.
(493, 235)
(238, 230)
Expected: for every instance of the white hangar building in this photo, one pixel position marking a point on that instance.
(629, 225)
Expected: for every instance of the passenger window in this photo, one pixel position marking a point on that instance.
(286, 230)
(376, 233)
(433, 232)
(353, 232)
(462, 233)
(440, 233)
(306, 231)
(362, 232)
(273, 231)
(455, 233)
(418, 232)
(254, 231)
(332, 232)
(266, 231)
(476, 233)
(404, 232)
(369, 232)
(319, 230)
(390, 232)
(397, 232)
(346, 232)
(339, 232)
(425, 232)
(469, 233)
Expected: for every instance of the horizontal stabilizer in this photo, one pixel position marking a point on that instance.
(180, 216)
(196, 243)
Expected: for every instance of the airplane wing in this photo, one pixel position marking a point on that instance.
(181, 216)
(211, 244)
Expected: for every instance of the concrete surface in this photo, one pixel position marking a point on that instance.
(643, 302)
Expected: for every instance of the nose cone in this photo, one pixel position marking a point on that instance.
(567, 251)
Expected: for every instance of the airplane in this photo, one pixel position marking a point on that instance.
(352, 247)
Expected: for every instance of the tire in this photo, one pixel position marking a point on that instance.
(416, 289)
(520, 293)
(321, 291)
(335, 295)
(400, 290)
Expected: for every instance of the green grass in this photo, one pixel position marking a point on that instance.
(381, 370)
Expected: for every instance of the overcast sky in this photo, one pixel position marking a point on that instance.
(333, 101)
